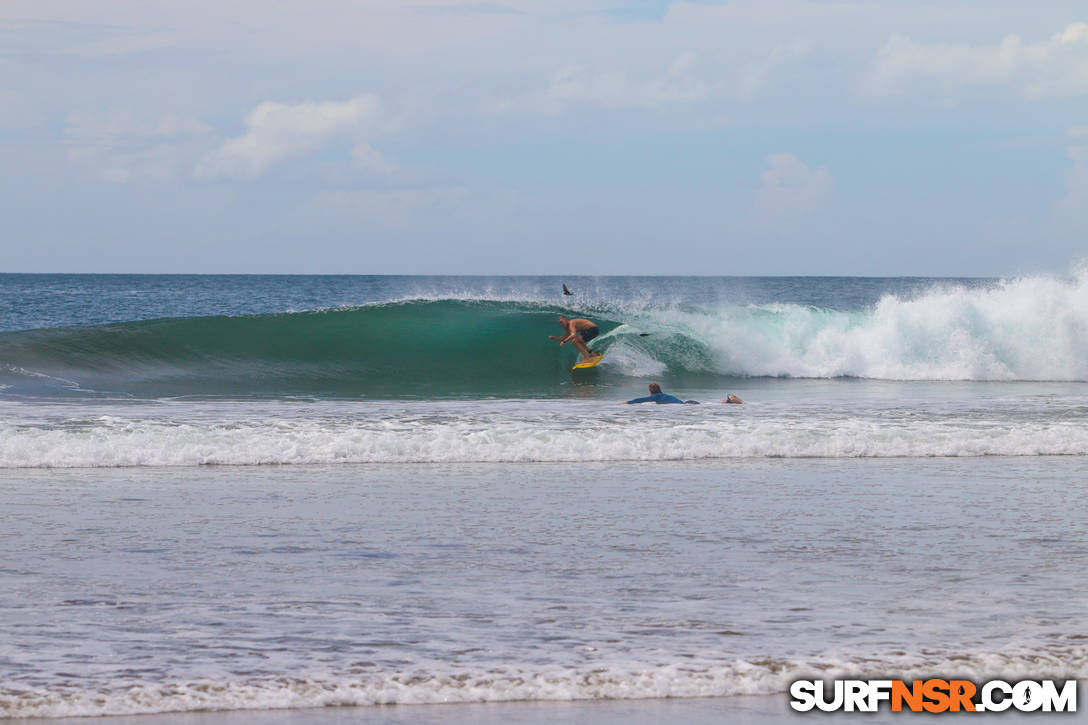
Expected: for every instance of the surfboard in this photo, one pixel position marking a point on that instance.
(583, 364)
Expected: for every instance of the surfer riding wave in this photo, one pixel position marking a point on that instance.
(579, 332)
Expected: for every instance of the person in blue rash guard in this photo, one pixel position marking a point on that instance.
(656, 396)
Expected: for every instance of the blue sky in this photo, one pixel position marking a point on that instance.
(531, 136)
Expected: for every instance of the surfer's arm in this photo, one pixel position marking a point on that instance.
(564, 338)
(571, 332)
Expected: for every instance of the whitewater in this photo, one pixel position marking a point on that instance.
(184, 433)
(273, 494)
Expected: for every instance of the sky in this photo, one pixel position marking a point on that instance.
(748, 137)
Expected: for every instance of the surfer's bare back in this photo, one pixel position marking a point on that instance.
(579, 332)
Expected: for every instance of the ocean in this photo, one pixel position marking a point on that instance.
(240, 498)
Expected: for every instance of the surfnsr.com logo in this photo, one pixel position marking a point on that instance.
(934, 695)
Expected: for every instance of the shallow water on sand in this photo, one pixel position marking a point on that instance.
(167, 589)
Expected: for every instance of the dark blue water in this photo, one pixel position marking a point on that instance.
(30, 301)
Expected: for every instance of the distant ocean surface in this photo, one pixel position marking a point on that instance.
(466, 520)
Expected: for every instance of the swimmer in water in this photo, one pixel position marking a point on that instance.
(656, 396)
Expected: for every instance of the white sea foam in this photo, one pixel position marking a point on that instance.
(695, 679)
(1031, 328)
(116, 441)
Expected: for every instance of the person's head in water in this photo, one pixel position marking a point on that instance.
(563, 320)
(655, 389)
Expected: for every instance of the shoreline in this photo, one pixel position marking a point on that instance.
(735, 710)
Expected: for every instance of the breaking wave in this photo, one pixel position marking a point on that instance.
(693, 679)
(548, 432)
(1032, 328)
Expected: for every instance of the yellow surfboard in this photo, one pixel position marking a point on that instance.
(583, 364)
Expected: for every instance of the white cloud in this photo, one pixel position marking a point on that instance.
(759, 72)
(278, 131)
(1075, 203)
(653, 81)
(789, 186)
(368, 159)
(1056, 67)
(772, 69)
(115, 128)
(125, 146)
(394, 207)
(616, 89)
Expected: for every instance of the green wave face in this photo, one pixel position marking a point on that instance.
(404, 349)
(1031, 329)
